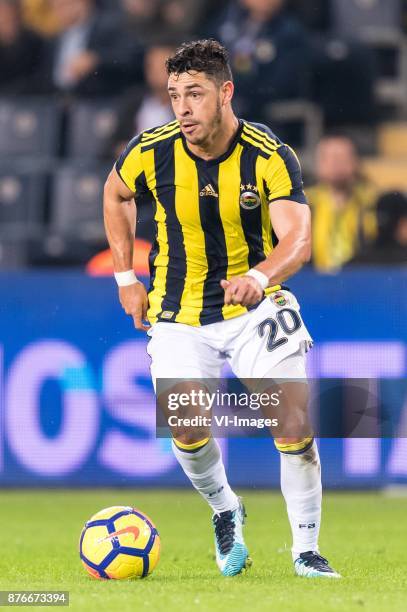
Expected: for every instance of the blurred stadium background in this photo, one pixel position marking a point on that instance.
(78, 78)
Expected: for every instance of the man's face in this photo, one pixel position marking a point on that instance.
(336, 162)
(197, 102)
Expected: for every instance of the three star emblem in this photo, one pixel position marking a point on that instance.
(249, 187)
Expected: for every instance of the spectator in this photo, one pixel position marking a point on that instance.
(146, 108)
(268, 52)
(21, 51)
(91, 55)
(390, 246)
(343, 204)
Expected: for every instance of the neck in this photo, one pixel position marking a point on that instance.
(219, 142)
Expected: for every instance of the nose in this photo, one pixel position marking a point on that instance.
(183, 108)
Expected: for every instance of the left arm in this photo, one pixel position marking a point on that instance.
(291, 221)
(292, 225)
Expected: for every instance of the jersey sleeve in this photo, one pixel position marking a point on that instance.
(283, 176)
(129, 166)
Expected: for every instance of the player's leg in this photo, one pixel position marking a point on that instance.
(197, 452)
(180, 362)
(300, 470)
(276, 339)
(202, 463)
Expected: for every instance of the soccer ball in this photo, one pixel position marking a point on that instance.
(119, 542)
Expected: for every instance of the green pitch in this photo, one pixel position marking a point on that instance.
(363, 535)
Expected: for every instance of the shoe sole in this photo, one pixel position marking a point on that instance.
(321, 575)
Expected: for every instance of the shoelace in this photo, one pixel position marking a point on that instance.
(224, 531)
(317, 560)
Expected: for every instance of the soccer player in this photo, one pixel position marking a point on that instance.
(232, 223)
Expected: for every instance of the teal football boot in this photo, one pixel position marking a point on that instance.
(232, 555)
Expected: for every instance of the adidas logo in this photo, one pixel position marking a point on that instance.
(208, 190)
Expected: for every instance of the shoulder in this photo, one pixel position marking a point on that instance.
(279, 166)
(153, 137)
(261, 137)
(264, 129)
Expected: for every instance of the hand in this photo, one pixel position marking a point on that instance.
(81, 65)
(134, 301)
(244, 290)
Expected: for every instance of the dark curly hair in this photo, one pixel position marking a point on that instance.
(207, 56)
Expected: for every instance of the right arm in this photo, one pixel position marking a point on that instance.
(120, 221)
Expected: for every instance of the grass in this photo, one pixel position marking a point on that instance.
(363, 535)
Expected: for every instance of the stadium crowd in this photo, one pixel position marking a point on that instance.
(78, 78)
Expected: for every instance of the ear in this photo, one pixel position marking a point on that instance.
(227, 91)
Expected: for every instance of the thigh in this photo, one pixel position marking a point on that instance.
(273, 332)
(184, 368)
(179, 351)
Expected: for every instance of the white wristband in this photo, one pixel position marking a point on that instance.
(124, 279)
(259, 276)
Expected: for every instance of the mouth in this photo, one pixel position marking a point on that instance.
(189, 127)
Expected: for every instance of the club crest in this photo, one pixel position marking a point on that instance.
(249, 199)
(279, 299)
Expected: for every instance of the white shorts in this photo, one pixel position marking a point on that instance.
(268, 342)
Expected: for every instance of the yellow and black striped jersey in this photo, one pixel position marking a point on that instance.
(211, 216)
